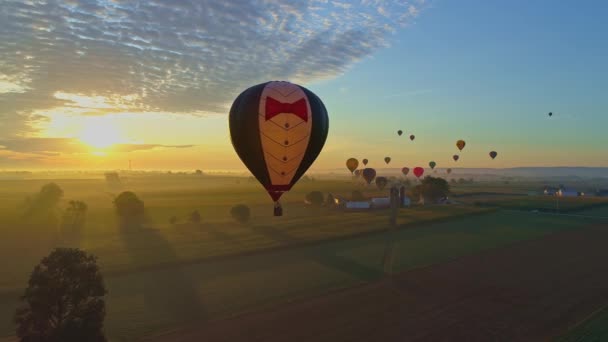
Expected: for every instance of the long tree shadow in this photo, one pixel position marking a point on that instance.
(173, 294)
(325, 256)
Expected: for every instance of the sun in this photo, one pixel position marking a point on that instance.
(100, 133)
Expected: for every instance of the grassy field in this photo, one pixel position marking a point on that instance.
(155, 276)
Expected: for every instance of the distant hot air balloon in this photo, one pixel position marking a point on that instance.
(432, 164)
(405, 171)
(412, 137)
(357, 173)
(387, 159)
(550, 114)
(369, 174)
(448, 171)
(418, 171)
(364, 162)
(278, 129)
(456, 157)
(460, 144)
(381, 182)
(493, 154)
(399, 132)
(352, 164)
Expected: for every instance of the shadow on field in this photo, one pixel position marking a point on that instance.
(325, 257)
(175, 294)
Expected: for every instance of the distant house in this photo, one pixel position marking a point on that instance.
(358, 205)
(550, 191)
(567, 193)
(381, 202)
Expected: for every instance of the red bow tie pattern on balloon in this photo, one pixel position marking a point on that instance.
(274, 108)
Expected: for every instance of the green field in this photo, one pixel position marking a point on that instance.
(160, 276)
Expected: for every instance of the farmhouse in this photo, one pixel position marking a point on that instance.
(567, 193)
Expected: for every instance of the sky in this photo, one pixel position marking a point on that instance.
(92, 84)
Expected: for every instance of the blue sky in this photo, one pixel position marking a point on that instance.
(489, 72)
(96, 82)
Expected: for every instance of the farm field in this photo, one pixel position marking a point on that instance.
(505, 294)
(162, 276)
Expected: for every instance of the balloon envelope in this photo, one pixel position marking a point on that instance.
(364, 161)
(369, 174)
(381, 182)
(412, 137)
(357, 173)
(460, 144)
(432, 164)
(405, 170)
(418, 171)
(278, 129)
(493, 154)
(387, 159)
(550, 114)
(352, 164)
(399, 132)
(456, 157)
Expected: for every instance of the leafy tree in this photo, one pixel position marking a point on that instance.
(129, 207)
(357, 196)
(315, 198)
(241, 213)
(63, 300)
(195, 217)
(74, 217)
(199, 172)
(45, 201)
(432, 188)
(330, 200)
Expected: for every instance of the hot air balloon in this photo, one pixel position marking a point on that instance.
(418, 171)
(405, 171)
(432, 164)
(369, 174)
(456, 157)
(364, 162)
(381, 182)
(357, 173)
(448, 171)
(460, 144)
(550, 114)
(387, 159)
(399, 132)
(278, 129)
(412, 137)
(352, 164)
(493, 154)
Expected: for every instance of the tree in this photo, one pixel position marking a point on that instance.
(198, 172)
(45, 201)
(129, 207)
(330, 200)
(357, 196)
(315, 198)
(241, 213)
(195, 217)
(432, 188)
(74, 217)
(63, 300)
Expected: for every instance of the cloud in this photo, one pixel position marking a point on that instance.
(175, 56)
(57, 146)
